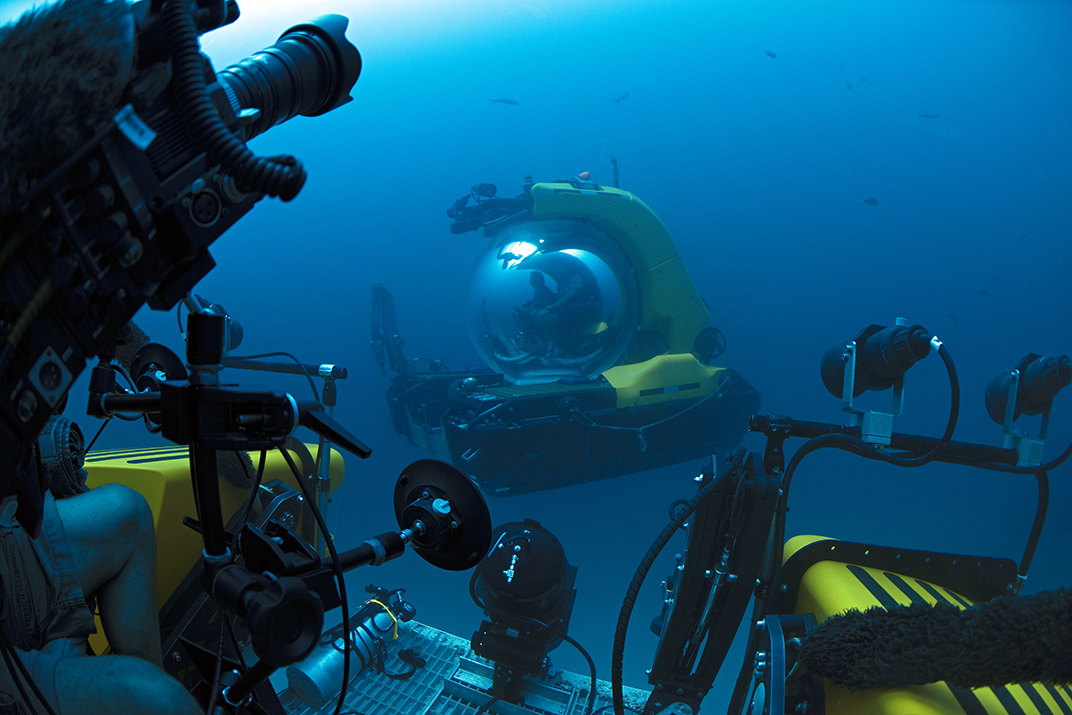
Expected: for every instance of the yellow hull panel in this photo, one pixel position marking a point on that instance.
(162, 476)
(662, 379)
(829, 588)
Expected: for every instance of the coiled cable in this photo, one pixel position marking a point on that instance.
(642, 571)
(281, 176)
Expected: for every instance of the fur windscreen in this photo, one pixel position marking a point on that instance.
(994, 643)
(65, 66)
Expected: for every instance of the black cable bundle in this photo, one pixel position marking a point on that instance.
(994, 643)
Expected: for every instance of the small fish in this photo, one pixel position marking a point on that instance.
(618, 101)
(1062, 264)
(1022, 237)
(870, 202)
(841, 68)
(863, 79)
(995, 280)
(954, 318)
(985, 293)
(504, 101)
(928, 115)
(771, 54)
(849, 85)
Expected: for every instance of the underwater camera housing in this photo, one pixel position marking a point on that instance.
(525, 586)
(149, 172)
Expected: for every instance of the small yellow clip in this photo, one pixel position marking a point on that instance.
(388, 610)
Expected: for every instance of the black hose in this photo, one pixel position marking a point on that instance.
(618, 654)
(277, 176)
(280, 353)
(1036, 527)
(863, 449)
(1047, 467)
(336, 567)
(94, 440)
(591, 663)
(235, 644)
(253, 491)
(838, 441)
(211, 709)
(954, 411)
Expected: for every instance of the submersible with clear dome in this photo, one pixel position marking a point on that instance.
(552, 299)
(596, 345)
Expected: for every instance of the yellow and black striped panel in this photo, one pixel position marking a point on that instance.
(828, 588)
(1016, 699)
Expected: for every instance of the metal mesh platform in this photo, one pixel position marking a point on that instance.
(454, 681)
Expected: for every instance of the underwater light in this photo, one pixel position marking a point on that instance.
(883, 355)
(1038, 379)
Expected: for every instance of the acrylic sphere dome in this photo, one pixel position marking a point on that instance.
(551, 299)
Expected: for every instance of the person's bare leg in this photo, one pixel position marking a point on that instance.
(110, 532)
(119, 685)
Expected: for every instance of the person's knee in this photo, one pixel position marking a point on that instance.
(120, 684)
(129, 510)
(150, 690)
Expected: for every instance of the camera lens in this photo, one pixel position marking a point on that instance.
(309, 71)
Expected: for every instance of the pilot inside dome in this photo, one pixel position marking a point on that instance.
(549, 300)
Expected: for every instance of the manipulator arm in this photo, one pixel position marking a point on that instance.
(386, 344)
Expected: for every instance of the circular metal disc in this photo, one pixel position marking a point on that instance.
(161, 356)
(471, 542)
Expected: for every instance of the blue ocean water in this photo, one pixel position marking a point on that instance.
(757, 166)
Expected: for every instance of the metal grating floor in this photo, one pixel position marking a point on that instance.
(453, 682)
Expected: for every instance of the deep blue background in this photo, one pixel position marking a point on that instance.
(756, 166)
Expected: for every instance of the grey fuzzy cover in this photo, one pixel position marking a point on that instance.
(993, 643)
(63, 68)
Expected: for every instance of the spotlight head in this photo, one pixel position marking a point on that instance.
(882, 355)
(1040, 379)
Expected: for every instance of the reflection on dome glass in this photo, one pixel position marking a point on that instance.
(514, 253)
(551, 299)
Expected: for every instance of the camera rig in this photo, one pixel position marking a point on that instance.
(280, 586)
(128, 216)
